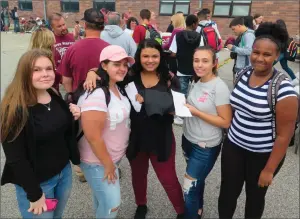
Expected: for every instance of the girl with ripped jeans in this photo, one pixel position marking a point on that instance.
(208, 102)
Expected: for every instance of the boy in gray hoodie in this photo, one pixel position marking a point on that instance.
(114, 34)
(244, 48)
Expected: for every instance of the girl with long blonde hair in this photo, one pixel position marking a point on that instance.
(37, 138)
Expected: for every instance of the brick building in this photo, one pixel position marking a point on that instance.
(222, 10)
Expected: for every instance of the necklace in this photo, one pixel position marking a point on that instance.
(47, 106)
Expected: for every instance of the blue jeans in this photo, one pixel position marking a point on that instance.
(107, 197)
(58, 187)
(284, 64)
(184, 83)
(200, 162)
(16, 26)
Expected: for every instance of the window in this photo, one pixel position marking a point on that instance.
(231, 8)
(170, 7)
(25, 5)
(4, 4)
(110, 5)
(70, 5)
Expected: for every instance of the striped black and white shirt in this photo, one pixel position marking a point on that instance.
(251, 127)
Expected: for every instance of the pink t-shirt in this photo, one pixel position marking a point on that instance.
(62, 43)
(80, 58)
(117, 127)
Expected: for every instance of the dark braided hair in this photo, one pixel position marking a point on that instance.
(273, 32)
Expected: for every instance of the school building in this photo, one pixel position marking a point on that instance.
(222, 10)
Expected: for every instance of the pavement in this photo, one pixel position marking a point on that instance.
(282, 200)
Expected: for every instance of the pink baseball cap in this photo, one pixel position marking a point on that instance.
(115, 53)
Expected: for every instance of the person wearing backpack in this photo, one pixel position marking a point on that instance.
(258, 138)
(15, 17)
(286, 55)
(244, 48)
(209, 31)
(145, 30)
(182, 47)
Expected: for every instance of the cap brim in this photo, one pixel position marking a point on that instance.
(129, 59)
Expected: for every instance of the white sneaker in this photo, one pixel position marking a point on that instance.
(178, 121)
(295, 82)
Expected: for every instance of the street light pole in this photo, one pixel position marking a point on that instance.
(45, 10)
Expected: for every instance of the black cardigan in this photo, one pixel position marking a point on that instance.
(20, 155)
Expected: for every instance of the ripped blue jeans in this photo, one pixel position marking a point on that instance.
(107, 197)
(200, 162)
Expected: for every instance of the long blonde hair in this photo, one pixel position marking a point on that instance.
(19, 95)
(42, 38)
(178, 21)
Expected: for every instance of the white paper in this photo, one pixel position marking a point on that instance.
(132, 92)
(179, 101)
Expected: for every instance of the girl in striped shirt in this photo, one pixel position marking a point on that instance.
(249, 153)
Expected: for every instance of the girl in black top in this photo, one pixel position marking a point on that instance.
(37, 137)
(151, 135)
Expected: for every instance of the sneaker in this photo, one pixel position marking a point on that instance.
(141, 212)
(295, 82)
(178, 121)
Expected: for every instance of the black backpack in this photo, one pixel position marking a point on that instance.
(151, 33)
(69, 98)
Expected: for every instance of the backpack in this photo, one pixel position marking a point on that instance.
(151, 33)
(12, 14)
(69, 98)
(210, 36)
(272, 92)
(291, 50)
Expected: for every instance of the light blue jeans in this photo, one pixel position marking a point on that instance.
(58, 187)
(107, 197)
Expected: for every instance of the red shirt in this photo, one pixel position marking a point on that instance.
(139, 33)
(62, 43)
(80, 58)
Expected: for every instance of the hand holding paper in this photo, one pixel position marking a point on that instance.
(179, 103)
(132, 92)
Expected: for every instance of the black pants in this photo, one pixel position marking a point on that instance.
(238, 166)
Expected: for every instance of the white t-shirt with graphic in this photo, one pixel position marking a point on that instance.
(117, 127)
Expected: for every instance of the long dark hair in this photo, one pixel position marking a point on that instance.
(162, 70)
(103, 83)
(214, 58)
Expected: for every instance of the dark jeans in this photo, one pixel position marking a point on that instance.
(239, 165)
(16, 26)
(184, 83)
(200, 162)
(284, 64)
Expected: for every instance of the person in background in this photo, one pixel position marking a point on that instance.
(37, 138)
(39, 21)
(258, 19)
(243, 50)
(248, 21)
(208, 102)
(76, 31)
(6, 19)
(105, 139)
(139, 33)
(182, 47)
(115, 35)
(178, 23)
(125, 17)
(253, 152)
(15, 17)
(132, 22)
(171, 27)
(283, 61)
(63, 40)
(153, 21)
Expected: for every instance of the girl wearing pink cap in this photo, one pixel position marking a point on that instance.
(105, 123)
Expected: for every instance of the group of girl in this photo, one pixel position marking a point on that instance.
(36, 129)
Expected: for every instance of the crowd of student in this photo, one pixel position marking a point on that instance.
(40, 133)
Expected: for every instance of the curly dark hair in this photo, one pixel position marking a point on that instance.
(162, 70)
(273, 32)
(130, 20)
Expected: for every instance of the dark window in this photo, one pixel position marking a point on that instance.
(170, 7)
(110, 5)
(4, 4)
(25, 5)
(231, 8)
(69, 5)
